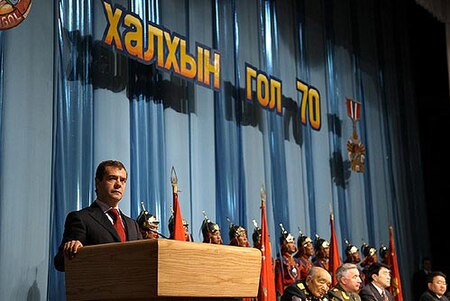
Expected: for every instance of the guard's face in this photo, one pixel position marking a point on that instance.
(291, 247)
(215, 238)
(309, 249)
(111, 188)
(152, 233)
(242, 240)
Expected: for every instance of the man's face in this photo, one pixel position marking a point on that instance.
(111, 188)
(242, 240)
(356, 257)
(152, 233)
(326, 252)
(309, 249)
(438, 286)
(291, 247)
(383, 279)
(319, 284)
(215, 238)
(351, 281)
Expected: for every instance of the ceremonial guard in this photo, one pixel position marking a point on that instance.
(352, 253)
(304, 253)
(256, 236)
(148, 224)
(287, 267)
(384, 254)
(211, 231)
(322, 252)
(185, 225)
(238, 236)
(370, 257)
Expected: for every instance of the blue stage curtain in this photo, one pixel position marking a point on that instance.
(104, 104)
(73, 152)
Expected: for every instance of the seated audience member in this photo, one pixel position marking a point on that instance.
(313, 288)
(420, 278)
(349, 282)
(380, 279)
(437, 285)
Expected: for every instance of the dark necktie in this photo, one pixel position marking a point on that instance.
(114, 213)
(384, 296)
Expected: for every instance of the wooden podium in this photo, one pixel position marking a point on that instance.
(163, 269)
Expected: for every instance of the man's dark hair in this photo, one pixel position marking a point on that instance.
(374, 269)
(432, 275)
(102, 167)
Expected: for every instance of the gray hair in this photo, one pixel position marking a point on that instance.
(342, 270)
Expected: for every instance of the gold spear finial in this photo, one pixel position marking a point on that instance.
(263, 193)
(174, 180)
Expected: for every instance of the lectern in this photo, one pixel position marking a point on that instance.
(163, 270)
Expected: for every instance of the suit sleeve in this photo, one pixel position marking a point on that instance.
(74, 229)
(366, 295)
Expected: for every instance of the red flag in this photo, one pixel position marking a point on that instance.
(335, 260)
(267, 280)
(178, 229)
(396, 286)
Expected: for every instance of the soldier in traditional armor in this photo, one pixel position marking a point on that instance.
(238, 236)
(313, 288)
(148, 224)
(256, 236)
(370, 257)
(211, 231)
(322, 252)
(349, 283)
(186, 229)
(287, 267)
(304, 253)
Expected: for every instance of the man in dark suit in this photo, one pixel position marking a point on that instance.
(102, 222)
(420, 277)
(437, 285)
(380, 279)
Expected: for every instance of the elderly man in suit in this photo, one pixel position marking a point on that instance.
(102, 222)
(379, 280)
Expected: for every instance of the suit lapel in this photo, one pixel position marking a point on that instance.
(97, 214)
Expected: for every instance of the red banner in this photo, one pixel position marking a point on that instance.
(396, 286)
(267, 280)
(335, 260)
(178, 229)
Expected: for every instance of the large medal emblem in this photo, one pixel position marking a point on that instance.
(12, 13)
(356, 151)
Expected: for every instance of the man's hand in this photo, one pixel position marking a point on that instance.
(71, 248)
